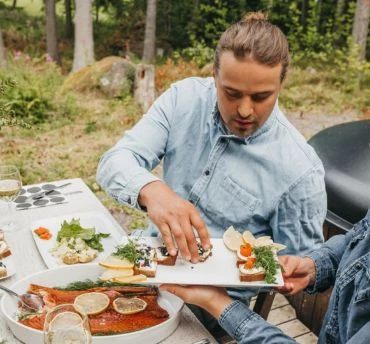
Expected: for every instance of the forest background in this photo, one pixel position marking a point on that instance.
(52, 128)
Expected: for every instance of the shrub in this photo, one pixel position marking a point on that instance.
(36, 95)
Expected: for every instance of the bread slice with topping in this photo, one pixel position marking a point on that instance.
(3, 270)
(145, 266)
(204, 254)
(4, 250)
(253, 274)
(164, 258)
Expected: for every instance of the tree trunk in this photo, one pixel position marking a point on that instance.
(2, 52)
(14, 5)
(150, 26)
(51, 31)
(68, 23)
(304, 14)
(84, 40)
(360, 25)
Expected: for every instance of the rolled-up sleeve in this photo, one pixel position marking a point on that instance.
(248, 327)
(300, 213)
(125, 168)
(327, 259)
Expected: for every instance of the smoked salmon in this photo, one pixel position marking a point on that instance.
(109, 321)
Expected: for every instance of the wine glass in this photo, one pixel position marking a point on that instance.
(10, 187)
(64, 324)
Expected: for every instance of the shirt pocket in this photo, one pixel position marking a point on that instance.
(230, 204)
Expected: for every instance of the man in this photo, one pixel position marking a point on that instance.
(343, 262)
(230, 156)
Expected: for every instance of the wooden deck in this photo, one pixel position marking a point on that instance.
(283, 315)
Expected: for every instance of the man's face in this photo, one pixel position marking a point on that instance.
(246, 93)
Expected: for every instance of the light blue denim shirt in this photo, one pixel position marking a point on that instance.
(271, 182)
(343, 261)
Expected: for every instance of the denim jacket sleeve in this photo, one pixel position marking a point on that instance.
(362, 336)
(124, 169)
(248, 327)
(327, 259)
(300, 213)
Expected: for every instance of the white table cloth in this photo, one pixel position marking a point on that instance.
(28, 259)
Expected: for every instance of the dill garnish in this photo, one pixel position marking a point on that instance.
(87, 284)
(265, 258)
(127, 251)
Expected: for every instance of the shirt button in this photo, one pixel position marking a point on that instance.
(222, 140)
(191, 201)
(207, 172)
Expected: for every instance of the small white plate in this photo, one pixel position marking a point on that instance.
(101, 222)
(10, 266)
(218, 270)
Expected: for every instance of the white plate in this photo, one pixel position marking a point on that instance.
(219, 269)
(101, 222)
(10, 267)
(67, 274)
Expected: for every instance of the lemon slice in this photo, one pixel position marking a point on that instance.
(113, 262)
(91, 303)
(232, 239)
(65, 319)
(109, 274)
(248, 237)
(124, 305)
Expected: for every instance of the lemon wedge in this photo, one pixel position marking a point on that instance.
(232, 239)
(112, 262)
(91, 303)
(65, 319)
(248, 237)
(124, 305)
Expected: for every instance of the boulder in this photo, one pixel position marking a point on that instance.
(113, 75)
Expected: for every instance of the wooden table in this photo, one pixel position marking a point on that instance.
(28, 260)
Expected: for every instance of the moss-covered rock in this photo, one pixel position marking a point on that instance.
(113, 75)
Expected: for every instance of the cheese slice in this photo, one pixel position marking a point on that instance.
(109, 274)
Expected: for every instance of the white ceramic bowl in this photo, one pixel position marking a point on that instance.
(66, 274)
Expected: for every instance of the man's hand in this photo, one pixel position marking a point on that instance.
(175, 218)
(214, 300)
(299, 272)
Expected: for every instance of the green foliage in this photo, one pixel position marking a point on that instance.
(7, 114)
(36, 95)
(198, 52)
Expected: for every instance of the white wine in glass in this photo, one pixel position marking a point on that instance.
(10, 187)
(63, 324)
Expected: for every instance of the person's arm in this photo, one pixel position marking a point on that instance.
(234, 316)
(300, 213)
(124, 172)
(362, 336)
(327, 259)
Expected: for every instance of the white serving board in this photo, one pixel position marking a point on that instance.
(218, 270)
(101, 222)
(63, 275)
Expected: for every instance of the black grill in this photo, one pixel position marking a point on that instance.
(345, 152)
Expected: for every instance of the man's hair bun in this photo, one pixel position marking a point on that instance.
(258, 16)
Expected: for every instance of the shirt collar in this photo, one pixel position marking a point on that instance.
(225, 131)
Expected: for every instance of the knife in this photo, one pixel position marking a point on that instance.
(45, 193)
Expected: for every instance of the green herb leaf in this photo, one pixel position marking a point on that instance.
(265, 258)
(127, 251)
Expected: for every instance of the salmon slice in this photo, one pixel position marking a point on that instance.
(109, 321)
